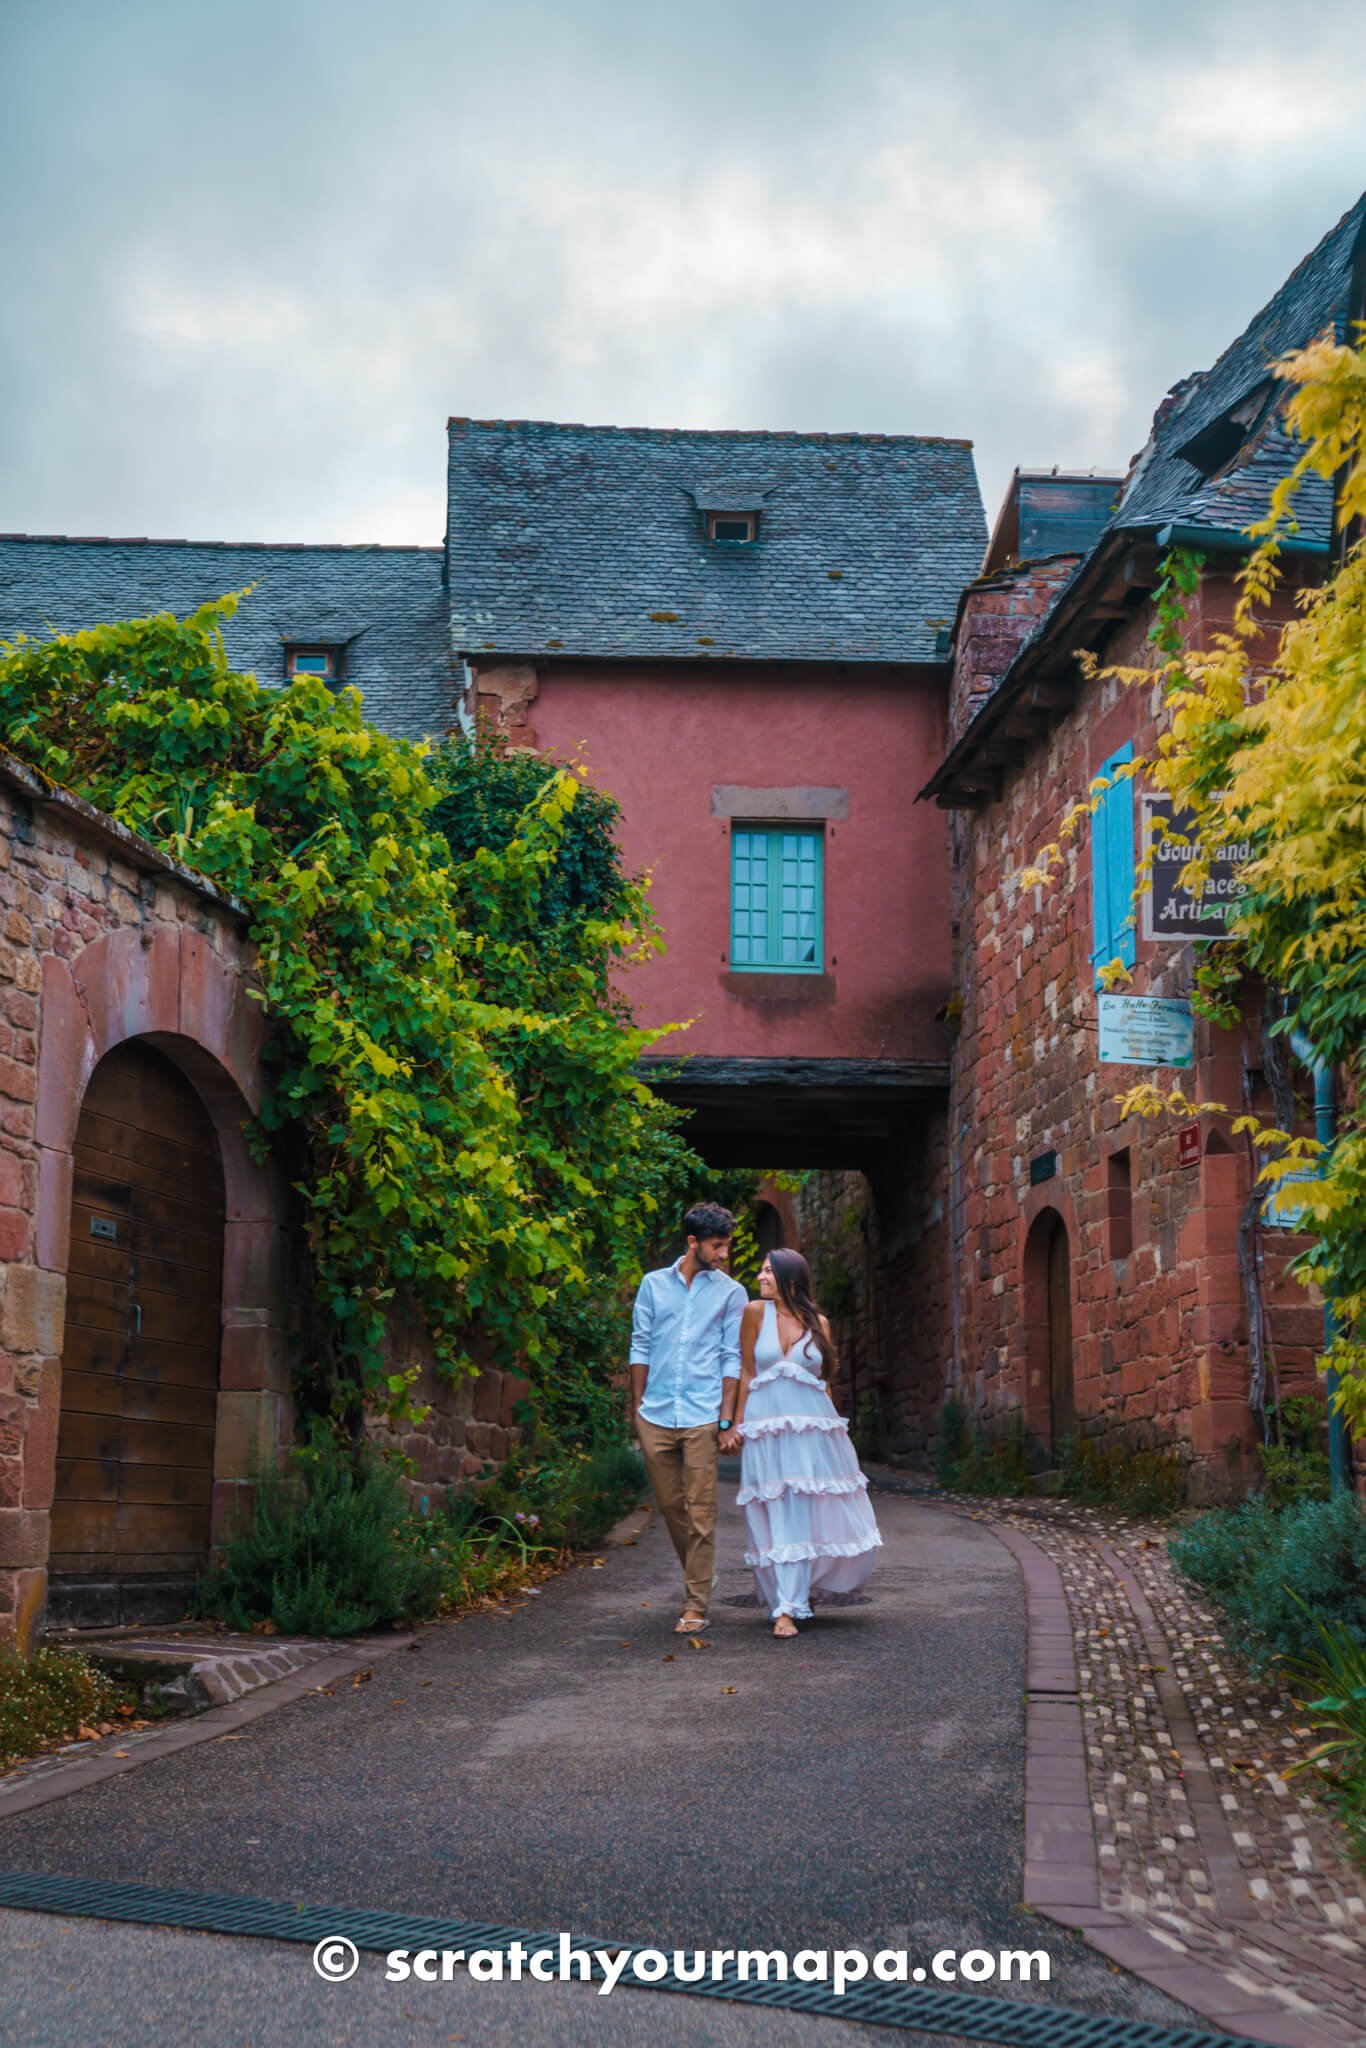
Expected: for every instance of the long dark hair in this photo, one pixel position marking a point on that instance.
(792, 1277)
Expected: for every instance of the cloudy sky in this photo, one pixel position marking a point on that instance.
(257, 251)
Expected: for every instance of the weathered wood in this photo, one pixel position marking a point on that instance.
(140, 1359)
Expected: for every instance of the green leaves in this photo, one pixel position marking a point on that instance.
(435, 941)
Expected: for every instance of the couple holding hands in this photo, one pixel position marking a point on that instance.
(712, 1371)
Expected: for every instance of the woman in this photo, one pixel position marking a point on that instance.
(811, 1528)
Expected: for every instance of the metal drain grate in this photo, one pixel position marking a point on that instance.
(1011, 2023)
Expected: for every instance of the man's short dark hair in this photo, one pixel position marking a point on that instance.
(708, 1219)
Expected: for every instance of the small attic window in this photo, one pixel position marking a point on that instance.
(312, 661)
(732, 529)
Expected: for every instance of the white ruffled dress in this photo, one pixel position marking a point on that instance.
(811, 1528)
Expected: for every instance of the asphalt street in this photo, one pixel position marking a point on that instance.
(570, 1763)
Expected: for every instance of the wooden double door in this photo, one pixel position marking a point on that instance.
(140, 1360)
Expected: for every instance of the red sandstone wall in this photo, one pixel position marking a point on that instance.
(999, 615)
(1160, 1333)
(661, 739)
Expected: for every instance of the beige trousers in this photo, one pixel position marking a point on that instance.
(681, 1465)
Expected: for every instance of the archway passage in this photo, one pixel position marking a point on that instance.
(140, 1364)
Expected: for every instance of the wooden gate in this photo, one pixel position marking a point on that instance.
(130, 1521)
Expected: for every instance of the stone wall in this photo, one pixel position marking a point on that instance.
(105, 940)
(469, 1424)
(878, 1248)
(998, 614)
(1160, 1334)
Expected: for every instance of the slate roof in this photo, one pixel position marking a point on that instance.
(576, 540)
(387, 604)
(1164, 488)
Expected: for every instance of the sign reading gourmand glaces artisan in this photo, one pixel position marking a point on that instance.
(1171, 911)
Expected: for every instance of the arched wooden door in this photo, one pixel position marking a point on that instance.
(130, 1520)
(1062, 1389)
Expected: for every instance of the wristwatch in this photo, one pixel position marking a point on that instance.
(725, 1423)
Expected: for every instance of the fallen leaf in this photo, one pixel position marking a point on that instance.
(398, 1703)
(696, 1643)
(670, 1659)
(362, 1678)
(84, 1734)
(122, 1752)
(623, 1646)
(730, 1688)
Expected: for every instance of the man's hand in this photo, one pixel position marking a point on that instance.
(729, 1440)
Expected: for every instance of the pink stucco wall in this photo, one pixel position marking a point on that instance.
(662, 738)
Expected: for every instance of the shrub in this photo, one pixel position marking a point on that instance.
(996, 1461)
(1106, 1471)
(1278, 1575)
(333, 1548)
(54, 1696)
(1330, 1684)
(1295, 1466)
(574, 1493)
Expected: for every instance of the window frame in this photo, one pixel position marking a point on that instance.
(749, 520)
(773, 832)
(294, 649)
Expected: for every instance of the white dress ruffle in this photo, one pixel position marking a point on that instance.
(811, 1528)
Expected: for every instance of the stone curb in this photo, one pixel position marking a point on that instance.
(146, 1746)
(1061, 1868)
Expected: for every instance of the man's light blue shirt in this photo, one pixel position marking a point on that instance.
(689, 1338)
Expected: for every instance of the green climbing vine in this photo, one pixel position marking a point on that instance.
(457, 1079)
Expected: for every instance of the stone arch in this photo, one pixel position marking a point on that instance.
(176, 990)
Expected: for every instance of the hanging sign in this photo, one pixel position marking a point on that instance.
(1171, 911)
(1188, 1145)
(1146, 1031)
(1282, 1209)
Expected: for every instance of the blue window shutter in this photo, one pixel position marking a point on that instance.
(1113, 869)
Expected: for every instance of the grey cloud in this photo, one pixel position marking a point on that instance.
(256, 253)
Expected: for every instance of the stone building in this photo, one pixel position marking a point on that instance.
(765, 645)
(1096, 1263)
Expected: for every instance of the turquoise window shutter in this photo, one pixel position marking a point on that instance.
(1113, 870)
(776, 891)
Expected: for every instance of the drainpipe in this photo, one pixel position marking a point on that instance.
(1326, 1130)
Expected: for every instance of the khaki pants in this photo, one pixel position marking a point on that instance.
(681, 1464)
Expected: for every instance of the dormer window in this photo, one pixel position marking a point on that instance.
(311, 661)
(732, 529)
(729, 510)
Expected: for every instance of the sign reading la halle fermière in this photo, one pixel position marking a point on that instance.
(1171, 911)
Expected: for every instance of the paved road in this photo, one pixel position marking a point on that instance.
(571, 1764)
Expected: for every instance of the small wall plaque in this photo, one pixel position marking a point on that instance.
(1043, 1168)
(1188, 1144)
(104, 1226)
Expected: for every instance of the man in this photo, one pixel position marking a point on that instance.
(685, 1370)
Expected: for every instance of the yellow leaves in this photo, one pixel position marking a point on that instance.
(1114, 974)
